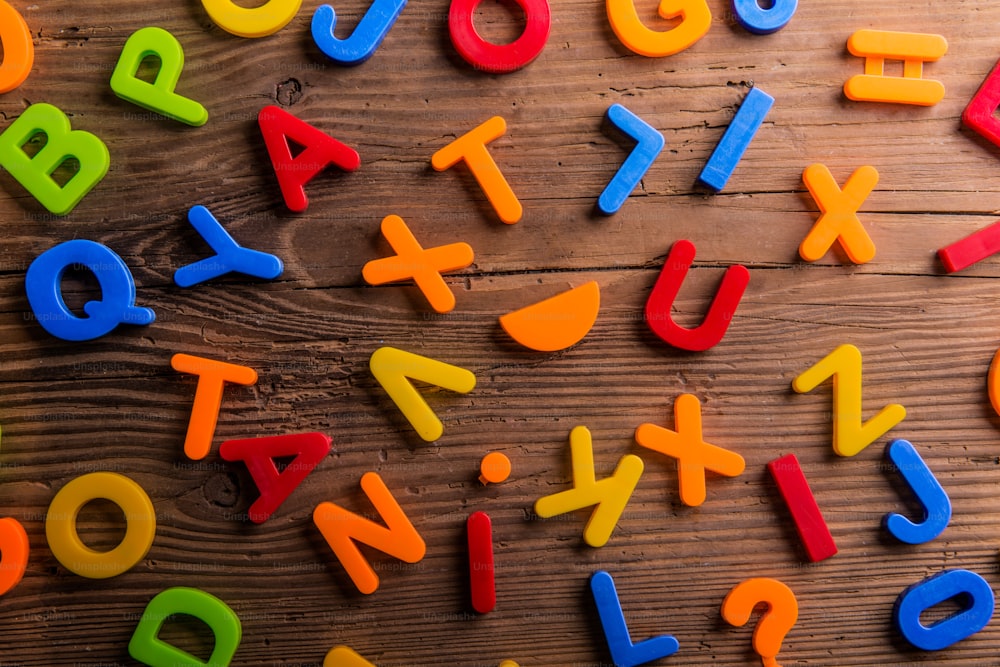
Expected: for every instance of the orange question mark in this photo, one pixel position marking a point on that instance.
(783, 611)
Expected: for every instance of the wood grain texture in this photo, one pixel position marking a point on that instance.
(115, 404)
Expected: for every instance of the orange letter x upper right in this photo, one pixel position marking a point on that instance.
(839, 214)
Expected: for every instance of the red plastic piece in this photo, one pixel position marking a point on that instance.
(973, 248)
(794, 488)
(978, 115)
(259, 453)
(720, 313)
(499, 58)
(319, 150)
(481, 580)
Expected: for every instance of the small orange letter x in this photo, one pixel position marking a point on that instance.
(412, 261)
(694, 455)
(838, 219)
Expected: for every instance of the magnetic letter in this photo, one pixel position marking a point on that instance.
(471, 149)
(158, 96)
(713, 327)
(809, 522)
(914, 49)
(756, 19)
(212, 376)
(146, 646)
(62, 143)
(850, 434)
(367, 35)
(934, 500)
(343, 529)
(43, 283)
(278, 126)
(838, 220)
(229, 257)
(258, 455)
(609, 496)
(694, 456)
(69, 549)
(499, 58)
(623, 652)
(736, 138)
(969, 588)
(18, 48)
(649, 143)
(695, 20)
(978, 115)
(261, 21)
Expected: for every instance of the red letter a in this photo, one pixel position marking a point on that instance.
(319, 149)
(258, 454)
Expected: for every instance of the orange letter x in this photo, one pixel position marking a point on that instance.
(694, 455)
(412, 261)
(839, 214)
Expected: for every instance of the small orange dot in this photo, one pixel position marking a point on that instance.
(495, 467)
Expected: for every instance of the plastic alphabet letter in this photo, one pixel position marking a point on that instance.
(69, 549)
(394, 368)
(367, 35)
(14, 549)
(993, 382)
(838, 220)
(212, 376)
(609, 496)
(695, 20)
(43, 283)
(694, 455)
(756, 19)
(275, 485)
(229, 257)
(736, 138)
(973, 248)
(342, 529)
(18, 48)
(914, 49)
(661, 300)
(345, 656)
(809, 522)
(623, 652)
(261, 21)
(423, 266)
(973, 592)
(146, 646)
(277, 126)
(649, 143)
(499, 58)
(158, 96)
(850, 434)
(937, 506)
(63, 143)
(471, 149)
(481, 571)
(979, 114)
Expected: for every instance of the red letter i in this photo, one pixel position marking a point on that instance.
(484, 595)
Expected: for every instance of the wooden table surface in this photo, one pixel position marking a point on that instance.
(115, 404)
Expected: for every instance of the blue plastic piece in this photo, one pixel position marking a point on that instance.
(971, 589)
(756, 19)
(230, 256)
(623, 652)
(937, 506)
(735, 140)
(43, 282)
(367, 35)
(649, 143)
